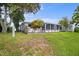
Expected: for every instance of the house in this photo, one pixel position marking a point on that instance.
(47, 27)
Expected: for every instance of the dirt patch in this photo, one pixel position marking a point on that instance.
(36, 46)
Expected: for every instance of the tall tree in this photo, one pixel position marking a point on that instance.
(0, 10)
(0, 19)
(18, 10)
(75, 17)
(4, 21)
(13, 10)
(25, 7)
(17, 17)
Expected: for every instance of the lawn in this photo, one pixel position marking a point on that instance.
(59, 44)
(64, 43)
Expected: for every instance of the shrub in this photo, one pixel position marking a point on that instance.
(76, 29)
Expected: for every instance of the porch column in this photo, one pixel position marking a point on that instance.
(55, 27)
(45, 27)
(50, 27)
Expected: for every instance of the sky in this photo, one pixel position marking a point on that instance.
(53, 12)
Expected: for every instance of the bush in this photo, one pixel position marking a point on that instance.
(76, 29)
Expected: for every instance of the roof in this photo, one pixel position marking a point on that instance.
(44, 23)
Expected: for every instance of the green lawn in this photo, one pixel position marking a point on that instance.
(62, 43)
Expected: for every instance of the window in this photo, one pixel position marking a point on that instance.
(52, 26)
(57, 27)
(47, 26)
(43, 28)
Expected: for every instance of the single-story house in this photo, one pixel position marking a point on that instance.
(47, 27)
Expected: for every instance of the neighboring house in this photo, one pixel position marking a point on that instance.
(47, 27)
(23, 25)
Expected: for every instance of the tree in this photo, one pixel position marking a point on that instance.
(0, 11)
(64, 22)
(25, 7)
(36, 24)
(0, 19)
(75, 17)
(2, 24)
(18, 10)
(13, 11)
(17, 17)
(4, 21)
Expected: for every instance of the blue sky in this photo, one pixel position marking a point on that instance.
(53, 12)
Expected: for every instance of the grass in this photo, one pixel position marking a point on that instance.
(62, 43)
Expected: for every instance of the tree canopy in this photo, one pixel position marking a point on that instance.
(64, 22)
(37, 24)
(16, 11)
(75, 17)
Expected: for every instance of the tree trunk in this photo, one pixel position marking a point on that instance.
(0, 26)
(4, 26)
(13, 31)
(0, 12)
